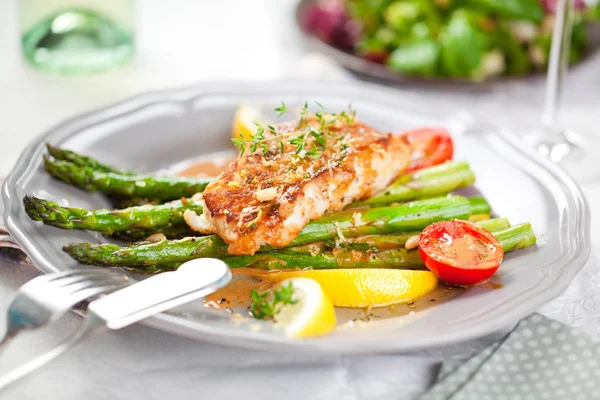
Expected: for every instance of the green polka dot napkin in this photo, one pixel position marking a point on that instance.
(540, 359)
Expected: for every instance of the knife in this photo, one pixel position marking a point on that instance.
(192, 280)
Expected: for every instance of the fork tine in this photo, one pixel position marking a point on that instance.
(60, 279)
(82, 275)
(50, 277)
(77, 292)
(74, 287)
(92, 291)
(64, 274)
(47, 297)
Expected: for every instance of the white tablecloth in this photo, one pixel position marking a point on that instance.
(184, 42)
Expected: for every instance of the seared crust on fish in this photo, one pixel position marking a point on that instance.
(296, 173)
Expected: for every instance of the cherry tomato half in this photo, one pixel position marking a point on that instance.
(429, 146)
(460, 252)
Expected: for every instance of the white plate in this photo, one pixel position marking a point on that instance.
(157, 130)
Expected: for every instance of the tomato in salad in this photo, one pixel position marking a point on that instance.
(460, 252)
(429, 146)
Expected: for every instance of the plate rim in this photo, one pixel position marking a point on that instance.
(576, 257)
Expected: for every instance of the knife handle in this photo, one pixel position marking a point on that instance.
(194, 279)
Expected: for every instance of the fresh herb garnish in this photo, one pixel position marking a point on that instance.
(281, 110)
(349, 116)
(303, 114)
(306, 140)
(240, 143)
(267, 304)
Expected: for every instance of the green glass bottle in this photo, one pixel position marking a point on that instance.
(77, 36)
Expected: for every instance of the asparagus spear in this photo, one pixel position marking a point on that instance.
(83, 161)
(382, 242)
(392, 258)
(428, 182)
(512, 238)
(516, 237)
(163, 188)
(402, 218)
(150, 218)
(479, 205)
(140, 234)
(148, 253)
(495, 224)
(137, 223)
(125, 202)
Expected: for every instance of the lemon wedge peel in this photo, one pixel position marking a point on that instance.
(244, 119)
(312, 314)
(362, 287)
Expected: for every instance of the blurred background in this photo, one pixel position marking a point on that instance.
(457, 41)
(485, 56)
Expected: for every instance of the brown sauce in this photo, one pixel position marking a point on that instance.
(491, 285)
(207, 166)
(236, 295)
(440, 295)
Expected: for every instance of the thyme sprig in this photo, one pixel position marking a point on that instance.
(306, 140)
(267, 304)
(281, 110)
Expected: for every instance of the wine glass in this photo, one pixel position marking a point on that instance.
(573, 151)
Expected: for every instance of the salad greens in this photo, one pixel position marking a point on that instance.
(472, 39)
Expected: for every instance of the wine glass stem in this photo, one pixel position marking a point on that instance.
(558, 61)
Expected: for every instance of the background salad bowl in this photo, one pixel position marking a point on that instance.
(442, 43)
(158, 130)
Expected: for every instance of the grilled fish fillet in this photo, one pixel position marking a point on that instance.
(266, 196)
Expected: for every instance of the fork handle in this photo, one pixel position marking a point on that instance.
(91, 325)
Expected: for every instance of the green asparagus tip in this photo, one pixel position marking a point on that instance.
(58, 153)
(31, 208)
(79, 251)
(51, 149)
(43, 210)
(86, 253)
(82, 161)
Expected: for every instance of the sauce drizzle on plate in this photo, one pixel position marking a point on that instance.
(210, 165)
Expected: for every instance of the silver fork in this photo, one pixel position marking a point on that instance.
(46, 298)
(193, 279)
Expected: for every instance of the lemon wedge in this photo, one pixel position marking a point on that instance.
(244, 119)
(311, 315)
(362, 287)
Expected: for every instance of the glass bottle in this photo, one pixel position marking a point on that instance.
(77, 36)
